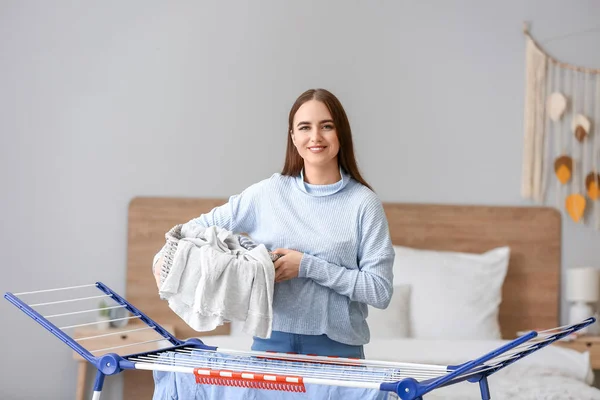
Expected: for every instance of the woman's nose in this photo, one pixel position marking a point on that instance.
(315, 135)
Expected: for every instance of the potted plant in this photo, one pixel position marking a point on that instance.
(103, 320)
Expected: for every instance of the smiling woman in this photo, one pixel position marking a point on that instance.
(330, 229)
(318, 122)
(315, 138)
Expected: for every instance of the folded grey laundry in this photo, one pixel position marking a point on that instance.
(172, 239)
(209, 278)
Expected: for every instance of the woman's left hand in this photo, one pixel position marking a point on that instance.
(288, 266)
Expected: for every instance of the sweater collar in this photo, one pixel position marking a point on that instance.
(322, 190)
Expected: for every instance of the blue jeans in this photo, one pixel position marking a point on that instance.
(321, 345)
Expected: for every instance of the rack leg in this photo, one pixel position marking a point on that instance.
(484, 388)
(98, 385)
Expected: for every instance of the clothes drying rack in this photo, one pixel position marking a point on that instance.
(268, 370)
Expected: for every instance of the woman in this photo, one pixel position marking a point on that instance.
(331, 229)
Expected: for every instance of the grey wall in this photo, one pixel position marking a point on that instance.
(103, 101)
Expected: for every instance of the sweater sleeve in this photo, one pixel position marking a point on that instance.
(372, 282)
(238, 215)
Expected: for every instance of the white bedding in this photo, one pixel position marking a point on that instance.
(552, 373)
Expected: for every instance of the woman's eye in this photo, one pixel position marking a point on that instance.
(303, 128)
(328, 127)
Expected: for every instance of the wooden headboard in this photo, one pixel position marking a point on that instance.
(531, 290)
(530, 293)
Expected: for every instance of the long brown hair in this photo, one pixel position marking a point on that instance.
(294, 163)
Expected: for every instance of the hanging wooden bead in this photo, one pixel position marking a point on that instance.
(592, 184)
(563, 167)
(581, 127)
(556, 105)
(580, 133)
(575, 205)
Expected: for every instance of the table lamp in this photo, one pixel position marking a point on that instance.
(583, 292)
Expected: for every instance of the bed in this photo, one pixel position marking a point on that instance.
(507, 258)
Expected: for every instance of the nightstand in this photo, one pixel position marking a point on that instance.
(127, 337)
(582, 344)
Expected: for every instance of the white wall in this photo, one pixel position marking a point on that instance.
(103, 101)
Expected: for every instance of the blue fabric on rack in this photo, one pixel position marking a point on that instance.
(183, 386)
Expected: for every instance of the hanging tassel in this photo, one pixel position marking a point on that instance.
(536, 64)
(593, 184)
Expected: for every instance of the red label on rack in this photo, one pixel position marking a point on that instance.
(249, 380)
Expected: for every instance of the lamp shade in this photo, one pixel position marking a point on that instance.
(583, 284)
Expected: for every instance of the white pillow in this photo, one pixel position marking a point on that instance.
(453, 295)
(393, 322)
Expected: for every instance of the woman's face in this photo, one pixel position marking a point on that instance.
(314, 135)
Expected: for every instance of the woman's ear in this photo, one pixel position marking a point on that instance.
(293, 137)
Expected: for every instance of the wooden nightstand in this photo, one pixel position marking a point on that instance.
(583, 344)
(113, 339)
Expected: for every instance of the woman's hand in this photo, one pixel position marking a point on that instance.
(287, 266)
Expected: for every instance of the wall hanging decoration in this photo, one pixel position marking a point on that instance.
(561, 157)
(563, 167)
(592, 184)
(581, 127)
(575, 203)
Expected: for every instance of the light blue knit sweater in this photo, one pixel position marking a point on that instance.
(348, 255)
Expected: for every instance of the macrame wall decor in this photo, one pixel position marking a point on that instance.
(561, 158)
